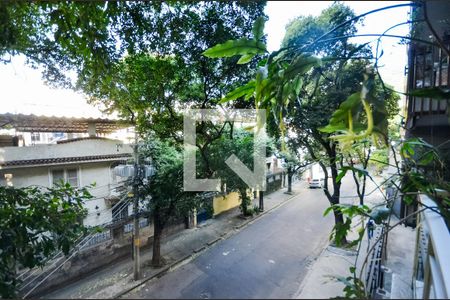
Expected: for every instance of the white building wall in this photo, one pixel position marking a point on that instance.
(88, 147)
(23, 177)
(88, 173)
(100, 174)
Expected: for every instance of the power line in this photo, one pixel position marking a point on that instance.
(57, 268)
(89, 237)
(47, 260)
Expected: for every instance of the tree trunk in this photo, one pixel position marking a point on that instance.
(332, 158)
(289, 182)
(339, 220)
(338, 217)
(335, 197)
(157, 233)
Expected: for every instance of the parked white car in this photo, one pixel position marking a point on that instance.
(316, 183)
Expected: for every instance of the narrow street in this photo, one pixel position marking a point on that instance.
(266, 259)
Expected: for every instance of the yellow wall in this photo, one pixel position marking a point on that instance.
(224, 203)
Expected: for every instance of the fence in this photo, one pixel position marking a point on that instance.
(274, 182)
(374, 274)
(129, 227)
(99, 238)
(106, 235)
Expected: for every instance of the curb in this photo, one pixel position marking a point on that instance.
(197, 252)
(199, 249)
(210, 243)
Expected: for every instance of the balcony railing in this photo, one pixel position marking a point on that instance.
(428, 67)
(432, 260)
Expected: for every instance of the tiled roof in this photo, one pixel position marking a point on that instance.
(33, 123)
(82, 139)
(62, 160)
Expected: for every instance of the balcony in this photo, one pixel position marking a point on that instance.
(428, 67)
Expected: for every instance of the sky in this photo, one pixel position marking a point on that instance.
(24, 91)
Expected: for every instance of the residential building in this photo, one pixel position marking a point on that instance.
(81, 161)
(428, 118)
(428, 67)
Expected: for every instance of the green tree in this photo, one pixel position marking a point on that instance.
(305, 83)
(293, 163)
(240, 143)
(167, 200)
(166, 74)
(34, 223)
(87, 39)
(141, 59)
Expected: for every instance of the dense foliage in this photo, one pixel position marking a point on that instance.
(306, 84)
(140, 59)
(240, 143)
(34, 224)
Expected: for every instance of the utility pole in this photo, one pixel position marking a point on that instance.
(137, 240)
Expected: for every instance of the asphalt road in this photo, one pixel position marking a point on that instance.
(266, 259)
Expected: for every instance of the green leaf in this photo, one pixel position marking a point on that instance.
(406, 150)
(327, 211)
(297, 85)
(333, 128)
(236, 47)
(302, 64)
(245, 59)
(434, 92)
(351, 103)
(244, 90)
(427, 158)
(341, 174)
(258, 28)
(344, 170)
(262, 62)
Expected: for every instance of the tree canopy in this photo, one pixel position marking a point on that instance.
(86, 39)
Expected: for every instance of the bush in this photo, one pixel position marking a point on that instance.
(379, 159)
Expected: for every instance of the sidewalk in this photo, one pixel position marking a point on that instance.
(321, 282)
(177, 249)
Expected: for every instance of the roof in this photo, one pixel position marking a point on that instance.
(66, 141)
(64, 160)
(33, 123)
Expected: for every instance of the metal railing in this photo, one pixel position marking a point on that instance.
(129, 227)
(99, 238)
(431, 277)
(374, 272)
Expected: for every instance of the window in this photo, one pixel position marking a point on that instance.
(57, 176)
(35, 137)
(66, 175)
(8, 179)
(72, 177)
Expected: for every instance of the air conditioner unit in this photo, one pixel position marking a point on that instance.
(149, 171)
(124, 170)
(128, 171)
